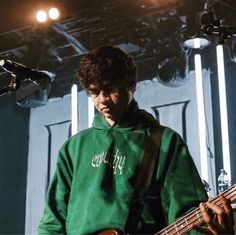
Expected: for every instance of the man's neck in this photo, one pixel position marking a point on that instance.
(110, 121)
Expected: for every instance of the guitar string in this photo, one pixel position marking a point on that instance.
(177, 228)
(198, 221)
(192, 216)
(168, 230)
(216, 201)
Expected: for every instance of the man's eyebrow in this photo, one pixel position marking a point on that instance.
(105, 87)
(93, 89)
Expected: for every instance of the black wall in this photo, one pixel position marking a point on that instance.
(231, 100)
(14, 132)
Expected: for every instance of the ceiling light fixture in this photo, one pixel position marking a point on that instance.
(43, 15)
(172, 65)
(194, 38)
(196, 43)
(53, 13)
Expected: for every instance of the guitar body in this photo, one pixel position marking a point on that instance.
(109, 232)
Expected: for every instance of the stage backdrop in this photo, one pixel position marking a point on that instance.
(175, 107)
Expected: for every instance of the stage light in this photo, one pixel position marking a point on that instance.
(193, 36)
(223, 110)
(74, 109)
(201, 116)
(47, 15)
(53, 13)
(41, 16)
(196, 43)
(172, 65)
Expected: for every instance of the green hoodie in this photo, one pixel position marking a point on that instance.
(96, 169)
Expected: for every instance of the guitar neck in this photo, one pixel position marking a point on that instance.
(185, 223)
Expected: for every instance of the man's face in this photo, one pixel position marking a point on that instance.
(110, 100)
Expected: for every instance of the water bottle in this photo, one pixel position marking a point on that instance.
(223, 181)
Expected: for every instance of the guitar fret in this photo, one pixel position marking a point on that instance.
(186, 221)
(198, 216)
(176, 229)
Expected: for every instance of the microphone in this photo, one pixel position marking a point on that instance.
(21, 72)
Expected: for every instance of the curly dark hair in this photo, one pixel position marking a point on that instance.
(107, 64)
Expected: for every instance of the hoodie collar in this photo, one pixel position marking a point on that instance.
(133, 117)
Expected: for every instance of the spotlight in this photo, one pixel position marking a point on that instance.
(41, 16)
(172, 65)
(44, 15)
(53, 13)
(194, 38)
(196, 43)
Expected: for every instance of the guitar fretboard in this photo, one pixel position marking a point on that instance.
(185, 223)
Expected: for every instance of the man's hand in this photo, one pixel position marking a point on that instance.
(219, 220)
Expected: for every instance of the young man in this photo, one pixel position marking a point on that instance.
(95, 184)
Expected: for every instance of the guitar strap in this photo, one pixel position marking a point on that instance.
(144, 176)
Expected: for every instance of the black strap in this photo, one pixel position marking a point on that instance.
(144, 176)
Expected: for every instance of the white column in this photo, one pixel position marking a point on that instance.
(201, 118)
(90, 111)
(223, 111)
(74, 109)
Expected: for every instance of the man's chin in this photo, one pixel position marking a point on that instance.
(110, 116)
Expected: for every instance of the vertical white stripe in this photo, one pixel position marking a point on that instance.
(74, 109)
(196, 43)
(223, 110)
(90, 111)
(201, 117)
